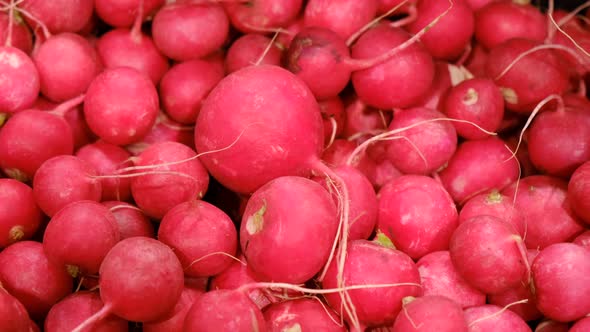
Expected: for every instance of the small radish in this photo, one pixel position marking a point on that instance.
(258, 15)
(123, 13)
(442, 82)
(578, 187)
(58, 16)
(581, 325)
(176, 321)
(306, 314)
(13, 315)
(491, 318)
(28, 274)
(165, 130)
(202, 236)
(20, 86)
(495, 204)
(20, 217)
(344, 17)
(79, 236)
(334, 118)
(130, 220)
(251, 49)
(363, 120)
(583, 239)
(430, 313)
(549, 325)
(21, 36)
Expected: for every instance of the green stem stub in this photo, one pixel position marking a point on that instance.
(384, 240)
(494, 197)
(16, 233)
(255, 222)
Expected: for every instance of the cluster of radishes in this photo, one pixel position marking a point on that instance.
(290, 165)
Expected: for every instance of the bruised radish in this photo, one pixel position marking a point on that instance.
(130, 220)
(121, 105)
(224, 310)
(286, 244)
(175, 323)
(19, 215)
(430, 313)
(494, 204)
(74, 309)
(123, 13)
(21, 36)
(258, 15)
(41, 286)
(13, 315)
(491, 318)
(417, 214)
(79, 236)
(202, 236)
(440, 278)
(160, 188)
(307, 314)
(251, 49)
(59, 16)
(578, 190)
(344, 17)
(20, 84)
(62, 180)
(364, 266)
(489, 254)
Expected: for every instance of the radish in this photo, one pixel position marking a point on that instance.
(172, 176)
(364, 265)
(224, 310)
(477, 100)
(545, 205)
(62, 180)
(581, 325)
(121, 105)
(186, 31)
(440, 278)
(185, 86)
(334, 117)
(478, 166)
(130, 220)
(306, 314)
(107, 159)
(13, 315)
(417, 214)
(561, 274)
(495, 204)
(430, 313)
(440, 85)
(477, 59)
(165, 130)
(202, 236)
(27, 273)
(20, 217)
(74, 309)
(552, 326)
(489, 253)
(20, 86)
(176, 321)
(344, 17)
(79, 236)
(363, 120)
(259, 15)
(490, 318)
(58, 16)
(583, 239)
(21, 37)
(283, 244)
(251, 49)
(123, 13)
(137, 286)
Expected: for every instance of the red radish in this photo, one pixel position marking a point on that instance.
(19, 215)
(581, 325)
(160, 187)
(557, 141)
(107, 159)
(251, 49)
(121, 105)
(58, 16)
(561, 274)
(202, 236)
(552, 326)
(476, 62)
(526, 82)
(165, 130)
(62, 180)
(544, 203)
(79, 236)
(500, 21)
(440, 278)
(307, 314)
(20, 86)
(478, 4)
(283, 244)
(478, 166)
(176, 322)
(430, 312)
(21, 36)
(27, 273)
(477, 100)
(363, 266)
(186, 31)
(363, 120)
(386, 5)
(130, 220)
(224, 310)
(450, 36)
(29, 138)
(123, 13)
(417, 214)
(442, 82)
(334, 118)
(583, 239)
(185, 86)
(266, 134)
(344, 17)
(490, 318)
(495, 204)
(13, 315)
(137, 286)
(74, 309)
(424, 148)
(259, 15)
(577, 191)
(338, 152)
(488, 253)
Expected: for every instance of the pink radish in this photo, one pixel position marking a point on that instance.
(548, 325)
(307, 314)
(334, 117)
(581, 325)
(490, 318)
(583, 239)
(202, 236)
(20, 86)
(440, 85)
(430, 312)
(58, 16)
(62, 180)
(439, 277)
(121, 105)
(165, 182)
(123, 13)
(251, 49)
(20, 217)
(258, 15)
(130, 220)
(417, 214)
(79, 236)
(176, 321)
(283, 244)
(495, 204)
(363, 120)
(28, 274)
(578, 187)
(13, 315)
(344, 17)
(21, 36)
(165, 130)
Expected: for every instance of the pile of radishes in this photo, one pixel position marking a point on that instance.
(292, 166)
